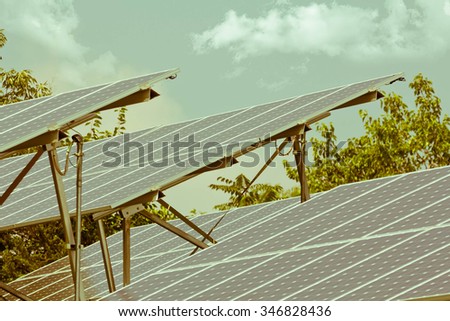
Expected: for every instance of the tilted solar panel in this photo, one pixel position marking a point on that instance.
(23, 121)
(110, 187)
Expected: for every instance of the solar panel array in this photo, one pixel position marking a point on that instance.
(106, 187)
(22, 121)
(384, 239)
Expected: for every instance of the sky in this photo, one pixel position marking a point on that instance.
(231, 54)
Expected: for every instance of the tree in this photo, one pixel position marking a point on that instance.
(19, 85)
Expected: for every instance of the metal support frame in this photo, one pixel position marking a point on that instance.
(156, 219)
(127, 213)
(187, 221)
(126, 224)
(20, 177)
(106, 256)
(14, 292)
(299, 143)
(64, 212)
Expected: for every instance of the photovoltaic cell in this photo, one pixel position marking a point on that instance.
(267, 269)
(437, 285)
(202, 278)
(408, 264)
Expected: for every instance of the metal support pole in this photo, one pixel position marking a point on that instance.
(127, 213)
(78, 139)
(300, 160)
(63, 210)
(126, 224)
(106, 256)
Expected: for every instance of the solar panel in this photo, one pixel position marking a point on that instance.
(280, 250)
(24, 121)
(112, 187)
(341, 261)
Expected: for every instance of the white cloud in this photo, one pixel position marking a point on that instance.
(41, 37)
(417, 30)
(447, 8)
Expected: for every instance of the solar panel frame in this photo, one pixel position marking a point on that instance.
(377, 82)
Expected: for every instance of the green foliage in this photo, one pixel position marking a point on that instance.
(3, 38)
(96, 132)
(20, 85)
(24, 250)
(257, 193)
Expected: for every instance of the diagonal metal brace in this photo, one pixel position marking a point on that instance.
(156, 219)
(14, 292)
(270, 160)
(21, 175)
(187, 221)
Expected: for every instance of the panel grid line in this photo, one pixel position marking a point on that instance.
(353, 265)
(373, 232)
(419, 285)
